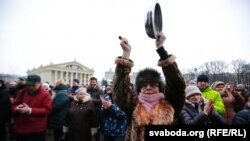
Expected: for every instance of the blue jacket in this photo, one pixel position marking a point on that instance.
(113, 120)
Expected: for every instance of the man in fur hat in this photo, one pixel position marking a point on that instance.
(154, 102)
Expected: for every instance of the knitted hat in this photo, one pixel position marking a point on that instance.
(81, 90)
(191, 89)
(203, 78)
(148, 76)
(217, 83)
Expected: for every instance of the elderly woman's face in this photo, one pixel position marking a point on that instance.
(219, 88)
(194, 98)
(150, 89)
(80, 96)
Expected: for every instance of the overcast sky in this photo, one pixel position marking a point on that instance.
(38, 32)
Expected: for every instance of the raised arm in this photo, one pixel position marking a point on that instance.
(175, 84)
(122, 88)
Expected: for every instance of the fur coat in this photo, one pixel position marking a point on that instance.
(166, 112)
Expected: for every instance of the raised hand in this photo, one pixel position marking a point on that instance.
(160, 39)
(106, 103)
(126, 48)
(209, 107)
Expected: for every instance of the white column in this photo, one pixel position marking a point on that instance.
(81, 78)
(67, 78)
(71, 73)
(61, 73)
(55, 75)
(84, 78)
(50, 71)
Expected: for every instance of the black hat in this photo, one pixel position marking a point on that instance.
(32, 79)
(203, 78)
(148, 76)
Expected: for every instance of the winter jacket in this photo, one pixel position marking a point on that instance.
(60, 107)
(192, 116)
(5, 105)
(80, 119)
(242, 117)
(36, 122)
(113, 120)
(208, 94)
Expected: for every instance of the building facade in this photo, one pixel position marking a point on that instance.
(66, 71)
(110, 74)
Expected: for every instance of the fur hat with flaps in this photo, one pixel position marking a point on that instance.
(148, 76)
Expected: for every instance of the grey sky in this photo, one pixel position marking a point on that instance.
(37, 32)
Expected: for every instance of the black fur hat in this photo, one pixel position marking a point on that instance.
(148, 76)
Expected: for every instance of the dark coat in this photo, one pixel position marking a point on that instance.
(242, 117)
(80, 119)
(60, 107)
(95, 93)
(191, 116)
(5, 105)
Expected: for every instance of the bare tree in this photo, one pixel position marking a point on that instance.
(215, 70)
(238, 67)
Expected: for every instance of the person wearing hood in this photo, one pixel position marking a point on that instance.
(81, 121)
(198, 111)
(230, 99)
(150, 103)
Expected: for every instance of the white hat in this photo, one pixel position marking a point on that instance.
(191, 89)
(81, 90)
(46, 85)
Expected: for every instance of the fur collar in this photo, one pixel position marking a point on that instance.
(161, 114)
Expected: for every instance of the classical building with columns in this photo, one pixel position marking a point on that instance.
(66, 71)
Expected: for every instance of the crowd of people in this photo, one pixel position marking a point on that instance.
(31, 109)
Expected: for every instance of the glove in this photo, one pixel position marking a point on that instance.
(93, 131)
(65, 129)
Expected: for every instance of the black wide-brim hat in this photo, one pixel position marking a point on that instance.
(153, 23)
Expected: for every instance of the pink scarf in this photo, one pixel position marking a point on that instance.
(148, 101)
